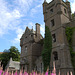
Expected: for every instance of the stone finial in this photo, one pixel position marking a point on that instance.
(74, 15)
(44, 0)
(32, 27)
(66, 0)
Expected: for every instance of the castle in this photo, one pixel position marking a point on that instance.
(30, 47)
(57, 16)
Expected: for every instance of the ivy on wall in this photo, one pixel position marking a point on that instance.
(69, 34)
(46, 53)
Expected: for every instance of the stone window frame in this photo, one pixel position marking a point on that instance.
(65, 11)
(41, 67)
(31, 35)
(55, 54)
(52, 22)
(51, 10)
(26, 49)
(53, 37)
(26, 37)
(36, 68)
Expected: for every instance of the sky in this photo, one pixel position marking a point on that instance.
(16, 15)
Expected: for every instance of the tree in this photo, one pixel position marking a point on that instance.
(12, 52)
(46, 53)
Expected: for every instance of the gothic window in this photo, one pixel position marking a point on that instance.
(51, 10)
(54, 37)
(26, 37)
(36, 68)
(52, 22)
(64, 10)
(25, 49)
(41, 67)
(23, 67)
(31, 35)
(55, 54)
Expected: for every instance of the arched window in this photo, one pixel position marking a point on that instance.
(25, 49)
(41, 67)
(55, 54)
(36, 68)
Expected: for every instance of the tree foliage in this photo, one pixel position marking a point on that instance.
(12, 52)
(69, 33)
(46, 53)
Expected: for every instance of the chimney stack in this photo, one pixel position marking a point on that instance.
(37, 29)
(44, 0)
(66, 0)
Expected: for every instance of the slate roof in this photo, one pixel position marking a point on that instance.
(13, 64)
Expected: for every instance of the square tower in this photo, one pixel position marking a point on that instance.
(57, 14)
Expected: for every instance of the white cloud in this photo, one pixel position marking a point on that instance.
(19, 33)
(7, 17)
(73, 6)
(23, 5)
(10, 19)
(16, 14)
(42, 29)
(35, 10)
(48, 1)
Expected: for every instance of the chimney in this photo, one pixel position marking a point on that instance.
(37, 28)
(11, 59)
(44, 0)
(66, 0)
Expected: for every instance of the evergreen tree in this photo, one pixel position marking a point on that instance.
(46, 53)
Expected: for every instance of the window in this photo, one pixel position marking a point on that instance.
(25, 49)
(52, 22)
(23, 68)
(64, 10)
(26, 37)
(41, 67)
(36, 68)
(51, 10)
(54, 37)
(55, 55)
(31, 35)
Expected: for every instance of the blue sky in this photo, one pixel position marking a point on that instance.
(15, 15)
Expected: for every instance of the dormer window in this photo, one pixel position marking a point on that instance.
(52, 22)
(51, 10)
(54, 37)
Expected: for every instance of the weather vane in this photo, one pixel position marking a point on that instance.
(44, 0)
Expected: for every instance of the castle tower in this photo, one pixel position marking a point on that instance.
(57, 14)
(30, 48)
